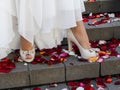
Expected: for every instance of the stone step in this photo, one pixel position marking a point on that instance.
(103, 31)
(102, 6)
(31, 75)
(65, 86)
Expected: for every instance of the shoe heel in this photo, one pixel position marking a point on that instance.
(69, 45)
(85, 53)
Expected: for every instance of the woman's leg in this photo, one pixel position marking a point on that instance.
(25, 44)
(81, 35)
(78, 35)
(27, 51)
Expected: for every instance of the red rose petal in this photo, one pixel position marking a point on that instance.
(94, 44)
(70, 83)
(114, 40)
(37, 88)
(104, 20)
(114, 53)
(6, 65)
(88, 87)
(91, 0)
(113, 45)
(77, 84)
(4, 70)
(16, 58)
(81, 84)
(64, 55)
(100, 83)
(11, 65)
(85, 20)
(34, 62)
(103, 47)
(118, 76)
(5, 60)
(37, 58)
(73, 88)
(97, 15)
(87, 81)
(108, 79)
(91, 17)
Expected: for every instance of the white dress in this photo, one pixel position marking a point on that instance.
(7, 34)
(46, 21)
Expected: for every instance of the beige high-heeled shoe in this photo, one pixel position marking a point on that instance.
(27, 56)
(85, 53)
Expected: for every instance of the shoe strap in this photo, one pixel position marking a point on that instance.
(28, 51)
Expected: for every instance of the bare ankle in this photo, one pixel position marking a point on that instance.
(26, 48)
(25, 44)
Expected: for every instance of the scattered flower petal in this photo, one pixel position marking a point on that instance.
(100, 60)
(88, 87)
(64, 89)
(100, 88)
(37, 88)
(79, 88)
(108, 79)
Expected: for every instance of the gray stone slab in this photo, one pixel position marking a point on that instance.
(111, 66)
(87, 26)
(116, 24)
(102, 6)
(44, 74)
(76, 70)
(92, 7)
(108, 6)
(117, 32)
(105, 25)
(19, 89)
(101, 33)
(27, 89)
(58, 87)
(18, 77)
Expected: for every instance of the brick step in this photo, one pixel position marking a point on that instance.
(102, 6)
(72, 69)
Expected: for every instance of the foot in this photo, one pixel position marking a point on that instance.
(86, 53)
(27, 50)
(27, 55)
(80, 34)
